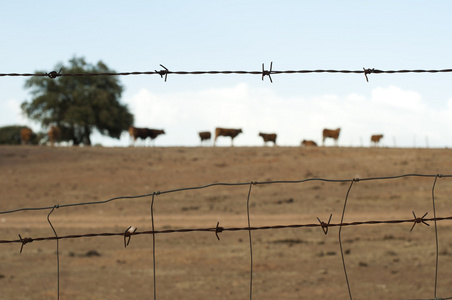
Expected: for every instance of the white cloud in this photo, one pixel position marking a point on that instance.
(11, 114)
(395, 97)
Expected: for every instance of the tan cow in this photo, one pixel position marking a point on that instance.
(54, 135)
(204, 136)
(144, 133)
(268, 137)
(330, 133)
(226, 132)
(307, 143)
(375, 139)
(25, 135)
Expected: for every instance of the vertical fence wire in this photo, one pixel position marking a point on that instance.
(153, 244)
(251, 243)
(340, 240)
(57, 252)
(436, 234)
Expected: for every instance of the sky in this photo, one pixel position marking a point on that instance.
(410, 110)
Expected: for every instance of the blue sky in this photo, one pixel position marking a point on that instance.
(409, 109)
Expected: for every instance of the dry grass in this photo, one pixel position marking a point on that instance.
(383, 261)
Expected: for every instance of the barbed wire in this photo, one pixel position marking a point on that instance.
(132, 231)
(219, 229)
(264, 72)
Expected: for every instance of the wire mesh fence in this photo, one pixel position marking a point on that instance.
(323, 226)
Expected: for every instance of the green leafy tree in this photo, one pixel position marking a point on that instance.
(79, 104)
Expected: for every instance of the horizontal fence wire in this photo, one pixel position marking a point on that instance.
(129, 232)
(264, 72)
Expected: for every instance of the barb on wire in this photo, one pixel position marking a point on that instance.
(325, 225)
(163, 72)
(419, 220)
(128, 234)
(24, 241)
(267, 73)
(54, 74)
(218, 230)
(368, 71)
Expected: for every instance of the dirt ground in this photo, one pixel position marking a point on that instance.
(383, 261)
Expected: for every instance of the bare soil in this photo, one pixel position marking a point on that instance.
(383, 261)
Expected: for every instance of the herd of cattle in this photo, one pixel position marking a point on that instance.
(144, 133)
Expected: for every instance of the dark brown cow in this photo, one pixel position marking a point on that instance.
(25, 135)
(204, 136)
(268, 137)
(306, 143)
(54, 135)
(144, 133)
(375, 139)
(226, 132)
(330, 133)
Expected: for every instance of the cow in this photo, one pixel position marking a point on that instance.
(375, 139)
(204, 136)
(226, 132)
(25, 135)
(330, 133)
(268, 137)
(54, 134)
(144, 133)
(307, 143)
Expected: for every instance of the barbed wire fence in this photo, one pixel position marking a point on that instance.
(163, 73)
(217, 230)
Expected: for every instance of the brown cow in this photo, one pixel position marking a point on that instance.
(144, 133)
(204, 135)
(330, 133)
(54, 135)
(226, 132)
(375, 139)
(268, 137)
(25, 135)
(306, 143)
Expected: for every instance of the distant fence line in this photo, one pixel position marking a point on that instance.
(131, 231)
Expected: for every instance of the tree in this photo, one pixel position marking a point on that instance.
(79, 104)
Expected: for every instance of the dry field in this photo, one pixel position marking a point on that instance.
(383, 261)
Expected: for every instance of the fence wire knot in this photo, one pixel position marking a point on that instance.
(218, 229)
(24, 241)
(267, 73)
(325, 225)
(355, 179)
(368, 71)
(163, 72)
(419, 220)
(128, 234)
